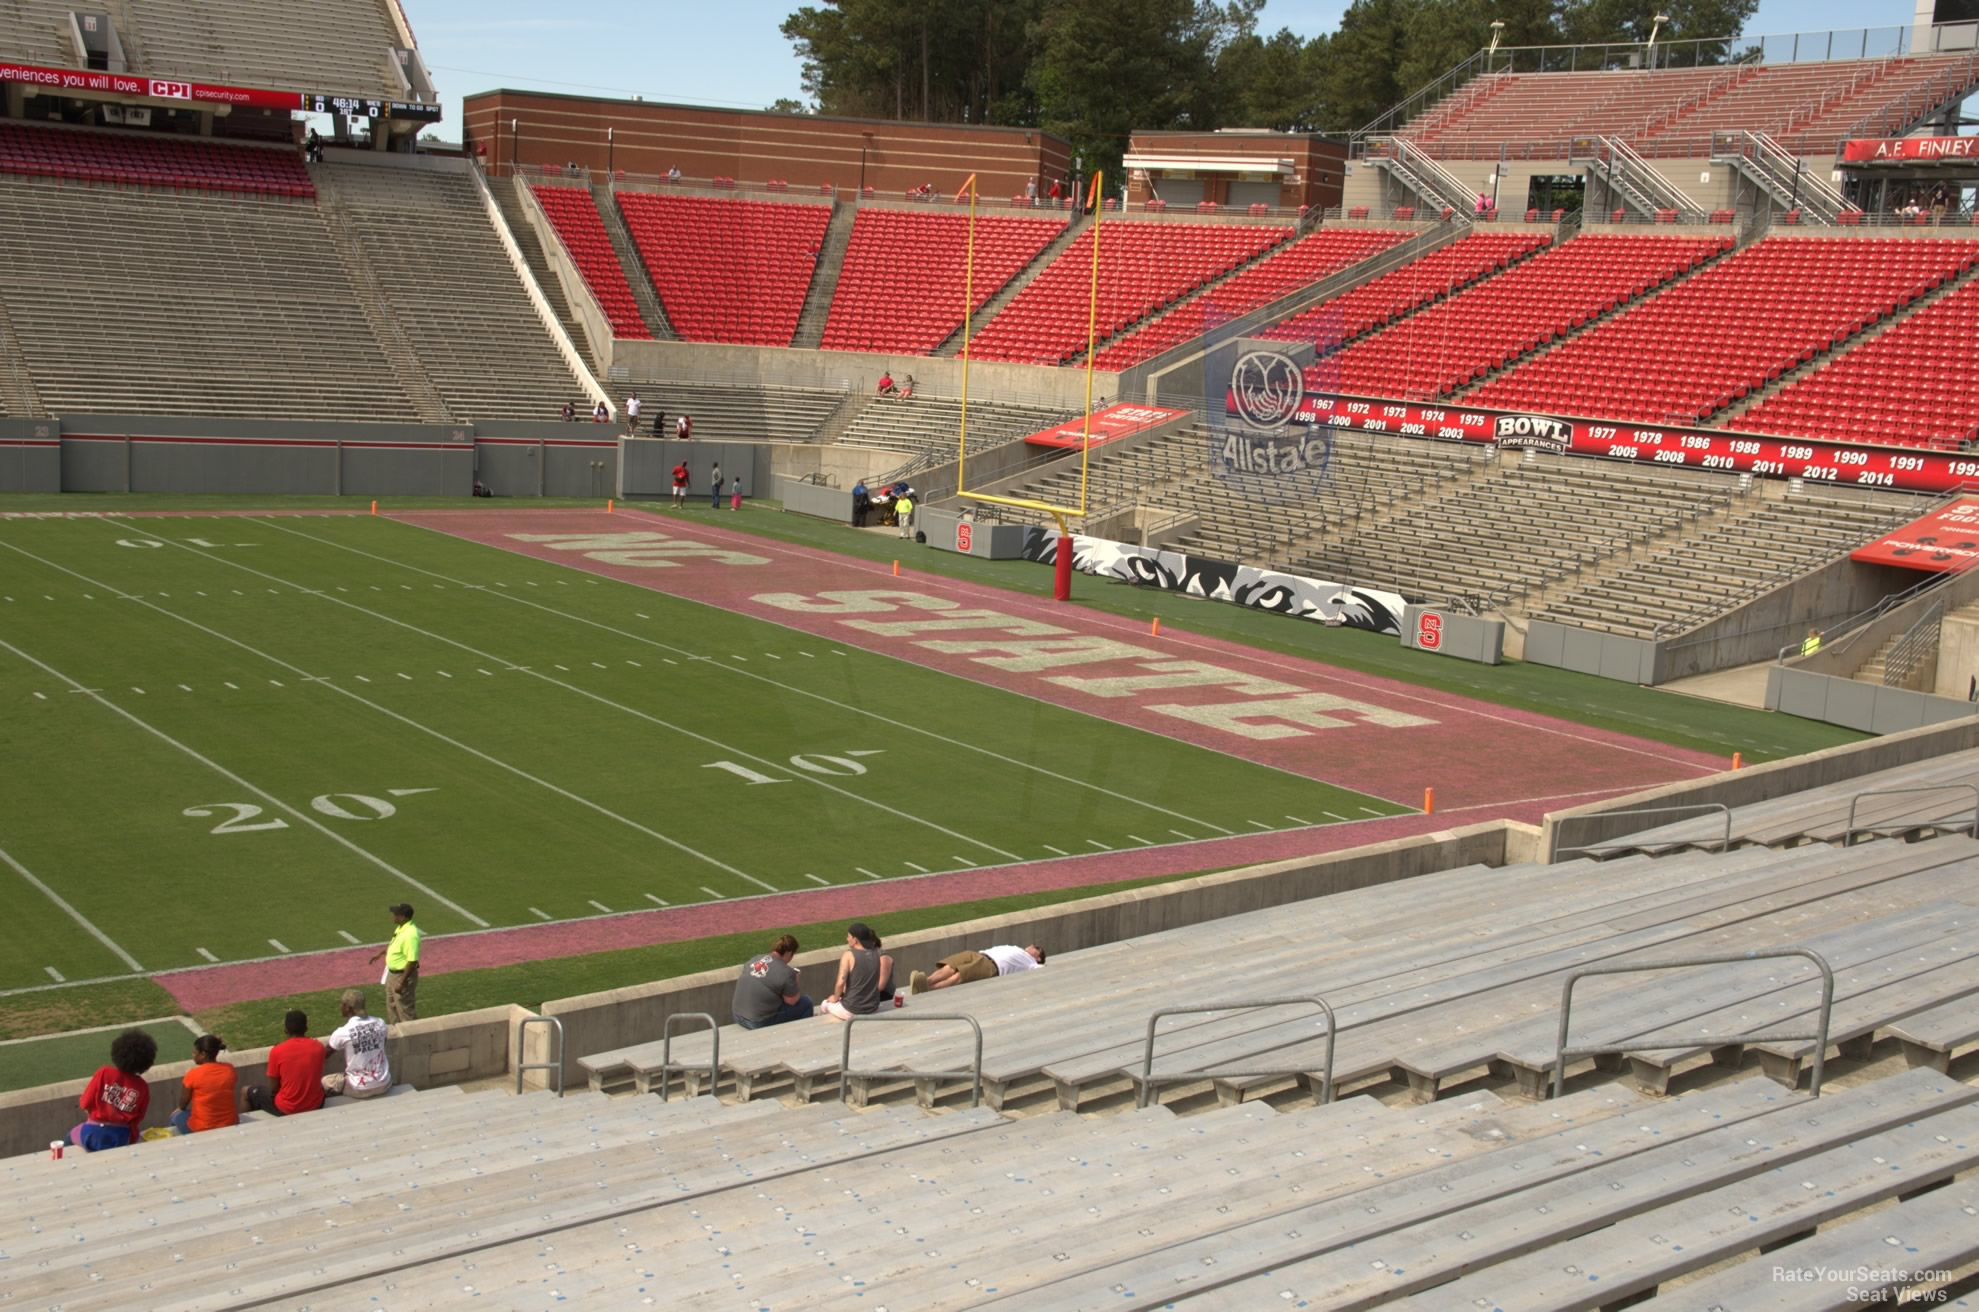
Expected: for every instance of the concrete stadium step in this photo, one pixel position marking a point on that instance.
(1009, 292)
(828, 264)
(630, 263)
(531, 244)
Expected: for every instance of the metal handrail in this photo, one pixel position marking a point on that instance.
(522, 1031)
(1848, 834)
(974, 1074)
(1918, 641)
(666, 1051)
(1725, 843)
(1820, 1036)
(1148, 1078)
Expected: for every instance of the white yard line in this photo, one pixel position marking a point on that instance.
(601, 906)
(278, 945)
(72, 913)
(711, 893)
(240, 782)
(208, 955)
(621, 707)
(775, 683)
(658, 901)
(350, 938)
(56, 975)
(425, 729)
(540, 914)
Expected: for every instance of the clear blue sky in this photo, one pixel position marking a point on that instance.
(730, 52)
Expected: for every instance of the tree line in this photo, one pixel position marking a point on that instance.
(1093, 71)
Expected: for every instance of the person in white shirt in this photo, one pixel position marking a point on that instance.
(361, 1039)
(632, 414)
(964, 967)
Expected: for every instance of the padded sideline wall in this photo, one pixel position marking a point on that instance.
(127, 453)
(30, 456)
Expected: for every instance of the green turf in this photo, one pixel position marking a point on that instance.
(53, 1010)
(1673, 718)
(256, 1024)
(24, 1065)
(269, 738)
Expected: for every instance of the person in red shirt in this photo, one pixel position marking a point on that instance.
(295, 1073)
(118, 1095)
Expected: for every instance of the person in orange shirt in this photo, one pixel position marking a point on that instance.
(207, 1100)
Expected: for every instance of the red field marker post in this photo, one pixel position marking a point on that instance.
(1738, 760)
(896, 569)
(608, 505)
(1157, 626)
(1061, 584)
(1429, 801)
(374, 507)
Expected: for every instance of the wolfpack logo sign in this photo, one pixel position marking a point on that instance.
(1267, 388)
(1533, 432)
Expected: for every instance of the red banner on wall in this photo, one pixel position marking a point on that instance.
(1944, 540)
(1901, 149)
(1114, 421)
(136, 84)
(1903, 468)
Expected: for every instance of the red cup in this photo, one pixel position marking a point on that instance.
(55, 1150)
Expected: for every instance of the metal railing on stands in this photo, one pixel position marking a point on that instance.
(1149, 1080)
(1688, 808)
(846, 1074)
(667, 1064)
(1637, 1043)
(1876, 831)
(554, 1065)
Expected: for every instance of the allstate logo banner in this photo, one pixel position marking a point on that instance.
(1262, 441)
(1266, 388)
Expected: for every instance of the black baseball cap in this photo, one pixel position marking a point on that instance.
(401, 909)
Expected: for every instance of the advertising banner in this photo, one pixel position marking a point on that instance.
(1900, 150)
(1906, 469)
(1113, 421)
(1946, 539)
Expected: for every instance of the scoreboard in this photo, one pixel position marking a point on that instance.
(361, 107)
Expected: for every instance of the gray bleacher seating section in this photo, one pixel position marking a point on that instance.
(131, 301)
(1515, 528)
(923, 422)
(337, 47)
(1473, 1199)
(1680, 586)
(1427, 1001)
(449, 284)
(725, 412)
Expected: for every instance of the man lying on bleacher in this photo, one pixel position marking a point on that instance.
(964, 967)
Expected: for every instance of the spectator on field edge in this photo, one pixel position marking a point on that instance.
(715, 488)
(361, 1039)
(401, 956)
(295, 1073)
(680, 485)
(862, 503)
(903, 513)
(209, 1095)
(117, 1096)
(967, 967)
(768, 991)
(865, 976)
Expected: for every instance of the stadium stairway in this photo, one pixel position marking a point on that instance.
(1729, 416)
(400, 355)
(824, 278)
(17, 392)
(1012, 289)
(1207, 292)
(634, 268)
(530, 243)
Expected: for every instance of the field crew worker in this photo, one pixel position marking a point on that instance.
(1811, 643)
(401, 967)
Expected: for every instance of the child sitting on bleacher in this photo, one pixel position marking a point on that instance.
(209, 1092)
(117, 1096)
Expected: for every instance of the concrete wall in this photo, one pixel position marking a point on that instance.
(591, 317)
(1865, 707)
(1588, 651)
(648, 467)
(30, 455)
(1958, 654)
(990, 541)
(472, 1045)
(1758, 629)
(819, 501)
(1428, 628)
(857, 371)
(1759, 783)
(600, 1022)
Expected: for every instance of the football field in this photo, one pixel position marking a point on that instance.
(230, 738)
